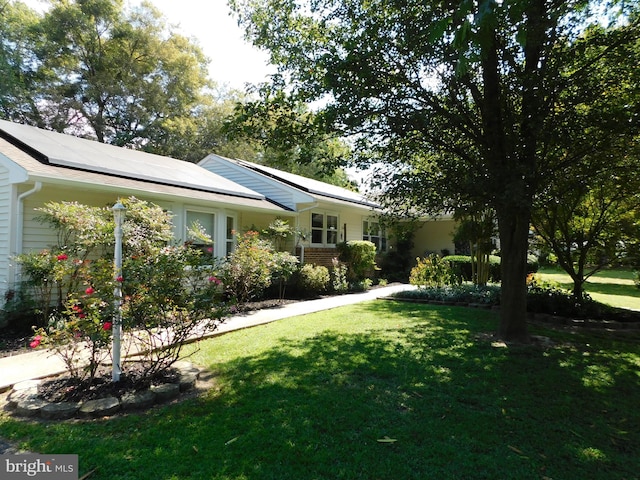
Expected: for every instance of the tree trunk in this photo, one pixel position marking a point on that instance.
(514, 242)
(578, 286)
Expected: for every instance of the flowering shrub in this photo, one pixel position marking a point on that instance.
(339, 281)
(77, 331)
(465, 293)
(171, 293)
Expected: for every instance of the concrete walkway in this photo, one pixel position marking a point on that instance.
(44, 363)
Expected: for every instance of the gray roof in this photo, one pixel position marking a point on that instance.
(79, 153)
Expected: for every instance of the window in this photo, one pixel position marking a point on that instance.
(230, 235)
(206, 224)
(371, 231)
(324, 229)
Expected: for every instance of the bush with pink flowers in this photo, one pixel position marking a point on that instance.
(170, 293)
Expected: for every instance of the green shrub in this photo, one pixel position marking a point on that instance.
(18, 312)
(360, 258)
(247, 271)
(462, 269)
(461, 266)
(466, 293)
(361, 286)
(431, 271)
(314, 279)
(533, 263)
(283, 265)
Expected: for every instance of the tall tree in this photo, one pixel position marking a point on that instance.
(193, 138)
(117, 76)
(593, 174)
(291, 136)
(18, 80)
(582, 225)
(460, 94)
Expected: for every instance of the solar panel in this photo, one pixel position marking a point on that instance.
(89, 155)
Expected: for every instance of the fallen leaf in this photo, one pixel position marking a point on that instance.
(386, 439)
(88, 474)
(518, 451)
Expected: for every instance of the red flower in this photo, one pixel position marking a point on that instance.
(89, 290)
(82, 315)
(106, 325)
(119, 279)
(215, 280)
(36, 341)
(62, 256)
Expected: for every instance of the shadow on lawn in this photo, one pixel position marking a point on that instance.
(412, 395)
(614, 289)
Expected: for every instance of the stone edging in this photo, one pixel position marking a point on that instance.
(23, 399)
(537, 317)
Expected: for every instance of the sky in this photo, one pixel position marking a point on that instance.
(233, 61)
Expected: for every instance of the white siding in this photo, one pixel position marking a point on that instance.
(5, 231)
(433, 237)
(38, 236)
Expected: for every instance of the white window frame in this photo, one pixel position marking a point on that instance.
(230, 237)
(326, 229)
(212, 225)
(379, 239)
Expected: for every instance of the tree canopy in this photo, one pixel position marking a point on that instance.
(291, 137)
(120, 75)
(460, 100)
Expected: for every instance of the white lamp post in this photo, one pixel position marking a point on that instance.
(119, 211)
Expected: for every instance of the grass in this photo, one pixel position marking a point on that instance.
(377, 390)
(613, 287)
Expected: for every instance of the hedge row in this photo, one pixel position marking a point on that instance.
(461, 266)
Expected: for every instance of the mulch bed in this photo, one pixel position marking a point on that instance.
(67, 389)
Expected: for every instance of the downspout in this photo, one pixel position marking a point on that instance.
(20, 221)
(314, 205)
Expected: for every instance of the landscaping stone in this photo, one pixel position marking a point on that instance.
(100, 407)
(22, 394)
(166, 391)
(186, 367)
(27, 385)
(30, 407)
(24, 398)
(59, 410)
(187, 381)
(138, 400)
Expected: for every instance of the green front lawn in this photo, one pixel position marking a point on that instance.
(379, 390)
(613, 287)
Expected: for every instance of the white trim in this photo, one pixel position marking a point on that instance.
(325, 228)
